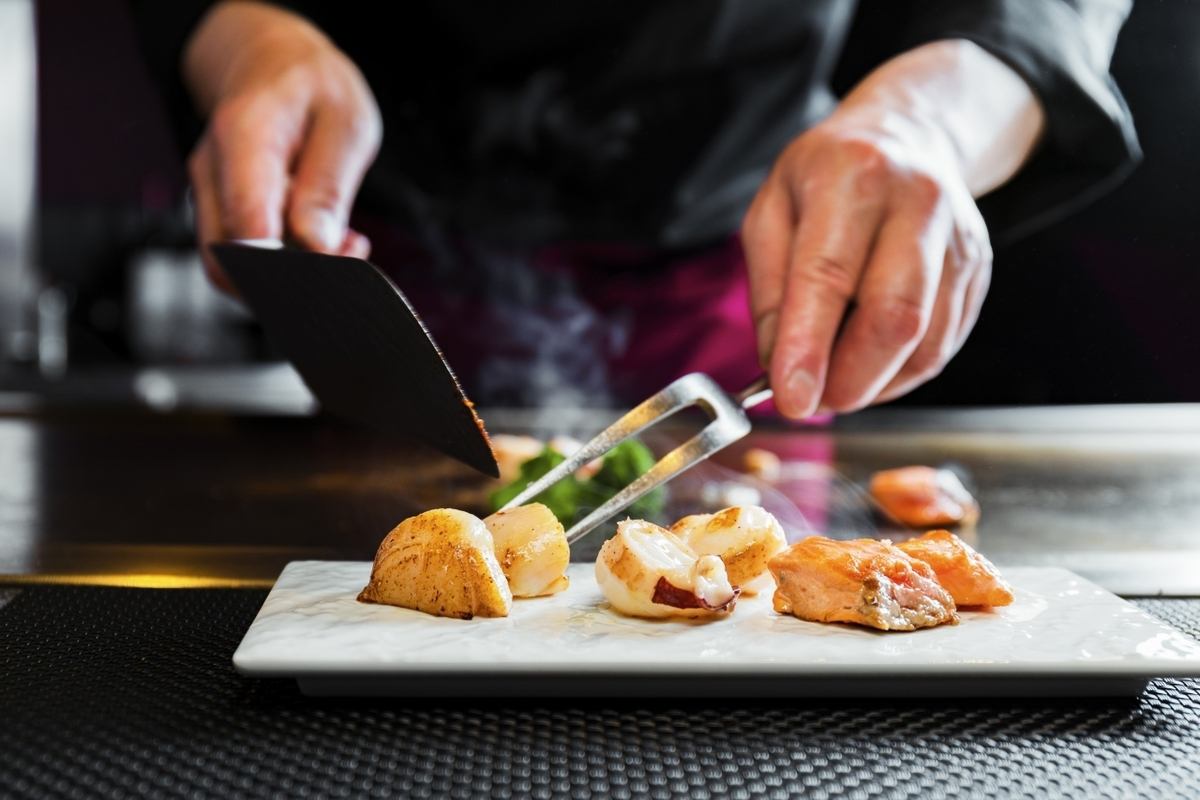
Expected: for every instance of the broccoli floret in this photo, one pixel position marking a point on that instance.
(571, 499)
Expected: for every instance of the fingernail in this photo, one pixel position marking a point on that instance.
(801, 386)
(323, 227)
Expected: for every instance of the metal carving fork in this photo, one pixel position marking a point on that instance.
(728, 423)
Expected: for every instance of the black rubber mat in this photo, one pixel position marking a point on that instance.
(130, 693)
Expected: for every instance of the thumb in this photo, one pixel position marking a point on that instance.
(335, 155)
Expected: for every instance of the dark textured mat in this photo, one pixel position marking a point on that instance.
(127, 692)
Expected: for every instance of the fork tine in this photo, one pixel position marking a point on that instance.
(637, 419)
(728, 424)
(714, 437)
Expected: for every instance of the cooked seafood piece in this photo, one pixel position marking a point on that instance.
(532, 549)
(745, 538)
(647, 571)
(970, 578)
(924, 497)
(512, 451)
(566, 446)
(762, 464)
(862, 581)
(441, 562)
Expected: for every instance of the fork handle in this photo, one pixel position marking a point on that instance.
(759, 391)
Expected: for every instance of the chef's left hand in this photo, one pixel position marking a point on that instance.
(868, 258)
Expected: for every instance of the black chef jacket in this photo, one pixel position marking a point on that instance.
(655, 121)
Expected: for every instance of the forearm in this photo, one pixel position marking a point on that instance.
(231, 30)
(966, 99)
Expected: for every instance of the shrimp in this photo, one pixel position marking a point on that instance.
(532, 549)
(441, 562)
(745, 538)
(647, 571)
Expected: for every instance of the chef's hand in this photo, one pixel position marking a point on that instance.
(868, 258)
(292, 128)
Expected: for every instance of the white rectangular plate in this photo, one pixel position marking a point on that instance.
(1063, 636)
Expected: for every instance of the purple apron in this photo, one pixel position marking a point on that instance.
(577, 324)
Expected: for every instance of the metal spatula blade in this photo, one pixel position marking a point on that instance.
(359, 345)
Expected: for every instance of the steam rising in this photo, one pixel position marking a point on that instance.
(546, 346)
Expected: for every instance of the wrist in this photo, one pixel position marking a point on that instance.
(233, 36)
(972, 110)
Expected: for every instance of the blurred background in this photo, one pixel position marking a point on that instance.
(98, 272)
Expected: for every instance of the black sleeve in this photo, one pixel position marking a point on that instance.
(1062, 48)
(163, 30)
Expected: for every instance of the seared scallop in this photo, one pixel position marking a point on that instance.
(441, 562)
(532, 549)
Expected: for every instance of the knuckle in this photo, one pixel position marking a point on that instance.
(864, 152)
(317, 73)
(871, 159)
(873, 167)
(924, 191)
(241, 114)
(321, 191)
(927, 362)
(829, 274)
(798, 147)
(359, 127)
(974, 254)
(896, 322)
(229, 119)
(303, 74)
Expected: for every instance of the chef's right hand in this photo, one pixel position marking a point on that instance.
(292, 128)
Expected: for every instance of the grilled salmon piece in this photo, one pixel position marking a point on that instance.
(862, 581)
(970, 578)
(924, 497)
(441, 562)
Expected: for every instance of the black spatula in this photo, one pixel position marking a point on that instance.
(359, 345)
